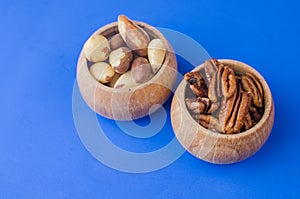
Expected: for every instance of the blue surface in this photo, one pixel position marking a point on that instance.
(41, 153)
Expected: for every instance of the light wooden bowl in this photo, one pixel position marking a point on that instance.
(131, 103)
(215, 147)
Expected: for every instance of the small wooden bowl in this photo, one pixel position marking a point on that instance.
(215, 147)
(131, 103)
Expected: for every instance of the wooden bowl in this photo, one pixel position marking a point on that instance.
(131, 103)
(215, 147)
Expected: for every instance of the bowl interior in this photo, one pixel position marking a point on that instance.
(128, 103)
(110, 30)
(239, 68)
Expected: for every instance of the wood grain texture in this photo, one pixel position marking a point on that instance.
(215, 147)
(132, 103)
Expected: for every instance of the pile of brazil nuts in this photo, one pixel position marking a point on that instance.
(127, 59)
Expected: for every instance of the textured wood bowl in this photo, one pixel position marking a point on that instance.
(131, 103)
(215, 147)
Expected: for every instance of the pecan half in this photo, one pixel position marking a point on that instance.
(223, 83)
(230, 99)
(257, 83)
(254, 114)
(212, 92)
(197, 83)
(248, 121)
(226, 109)
(197, 105)
(219, 82)
(228, 82)
(243, 110)
(210, 68)
(232, 120)
(213, 108)
(251, 84)
(210, 122)
(239, 113)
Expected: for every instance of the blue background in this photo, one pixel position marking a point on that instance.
(41, 155)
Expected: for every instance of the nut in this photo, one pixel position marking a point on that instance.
(248, 121)
(234, 103)
(242, 112)
(213, 108)
(114, 80)
(134, 36)
(254, 113)
(232, 111)
(120, 59)
(210, 67)
(212, 90)
(96, 48)
(251, 85)
(125, 81)
(197, 83)
(141, 70)
(210, 122)
(228, 85)
(102, 72)
(226, 108)
(116, 42)
(199, 105)
(156, 54)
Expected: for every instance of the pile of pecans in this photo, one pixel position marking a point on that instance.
(127, 59)
(222, 99)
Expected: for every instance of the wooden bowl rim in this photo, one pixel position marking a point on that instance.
(267, 100)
